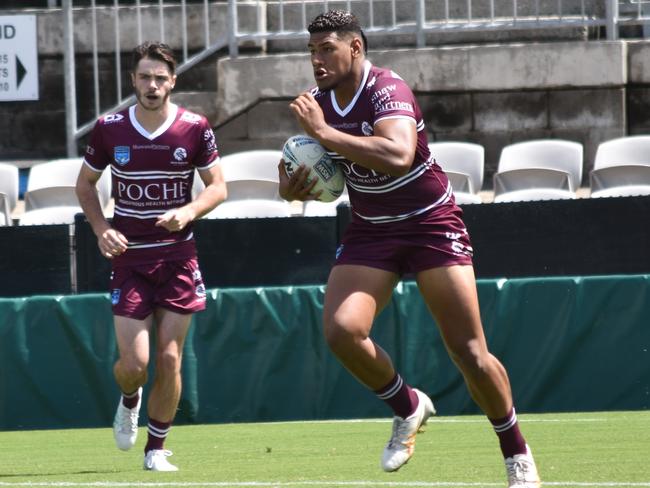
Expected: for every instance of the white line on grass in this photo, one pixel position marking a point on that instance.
(305, 483)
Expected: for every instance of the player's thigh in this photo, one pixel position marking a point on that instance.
(171, 330)
(132, 336)
(450, 294)
(355, 295)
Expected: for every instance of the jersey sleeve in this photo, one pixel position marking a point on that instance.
(392, 98)
(208, 154)
(96, 157)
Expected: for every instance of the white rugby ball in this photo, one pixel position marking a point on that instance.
(308, 151)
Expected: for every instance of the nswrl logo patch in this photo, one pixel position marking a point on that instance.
(115, 296)
(122, 154)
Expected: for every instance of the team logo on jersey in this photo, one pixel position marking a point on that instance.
(180, 154)
(210, 142)
(110, 118)
(190, 117)
(200, 292)
(367, 129)
(90, 151)
(115, 296)
(122, 154)
(339, 250)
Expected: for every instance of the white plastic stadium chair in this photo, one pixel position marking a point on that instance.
(8, 191)
(622, 180)
(50, 215)
(623, 151)
(250, 208)
(464, 164)
(554, 154)
(53, 184)
(532, 184)
(249, 174)
(5, 211)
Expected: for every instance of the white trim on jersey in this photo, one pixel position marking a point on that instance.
(343, 112)
(91, 167)
(138, 214)
(138, 245)
(173, 110)
(216, 161)
(396, 183)
(419, 126)
(396, 218)
(148, 175)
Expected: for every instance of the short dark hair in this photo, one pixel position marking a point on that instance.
(154, 50)
(338, 21)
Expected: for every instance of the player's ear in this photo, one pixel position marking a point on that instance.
(173, 83)
(133, 79)
(356, 47)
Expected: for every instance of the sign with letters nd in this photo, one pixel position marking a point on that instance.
(18, 58)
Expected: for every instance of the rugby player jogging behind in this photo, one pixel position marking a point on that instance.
(404, 220)
(153, 148)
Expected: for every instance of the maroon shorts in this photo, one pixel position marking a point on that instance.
(175, 285)
(407, 246)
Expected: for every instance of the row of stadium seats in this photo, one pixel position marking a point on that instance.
(50, 196)
(532, 170)
(547, 169)
(543, 169)
(253, 183)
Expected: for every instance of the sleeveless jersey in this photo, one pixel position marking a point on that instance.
(378, 197)
(151, 174)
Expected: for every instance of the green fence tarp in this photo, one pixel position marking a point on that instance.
(257, 354)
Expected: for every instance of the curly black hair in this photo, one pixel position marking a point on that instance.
(338, 21)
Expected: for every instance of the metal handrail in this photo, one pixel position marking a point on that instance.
(418, 26)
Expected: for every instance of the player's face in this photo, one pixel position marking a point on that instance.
(153, 83)
(331, 58)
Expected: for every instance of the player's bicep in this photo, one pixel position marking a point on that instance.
(211, 175)
(88, 176)
(401, 131)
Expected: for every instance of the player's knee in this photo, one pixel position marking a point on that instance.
(334, 336)
(472, 359)
(133, 368)
(337, 335)
(168, 363)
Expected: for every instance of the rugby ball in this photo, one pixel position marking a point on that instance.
(308, 151)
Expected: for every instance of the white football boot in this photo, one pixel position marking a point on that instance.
(401, 445)
(125, 424)
(521, 470)
(156, 460)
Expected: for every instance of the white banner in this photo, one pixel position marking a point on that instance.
(18, 58)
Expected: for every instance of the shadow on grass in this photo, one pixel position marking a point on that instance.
(35, 475)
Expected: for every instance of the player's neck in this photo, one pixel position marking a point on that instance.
(346, 89)
(151, 120)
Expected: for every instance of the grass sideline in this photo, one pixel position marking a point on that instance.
(573, 449)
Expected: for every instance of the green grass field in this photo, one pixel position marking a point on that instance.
(576, 449)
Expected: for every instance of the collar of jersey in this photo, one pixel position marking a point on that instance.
(173, 110)
(343, 112)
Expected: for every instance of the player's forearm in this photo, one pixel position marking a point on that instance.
(208, 199)
(89, 202)
(374, 152)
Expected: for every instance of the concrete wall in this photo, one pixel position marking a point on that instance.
(490, 94)
(493, 92)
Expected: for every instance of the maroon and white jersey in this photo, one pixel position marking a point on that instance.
(151, 174)
(378, 197)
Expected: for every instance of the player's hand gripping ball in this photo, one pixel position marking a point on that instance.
(308, 151)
